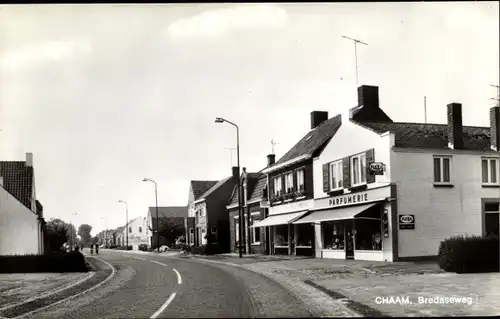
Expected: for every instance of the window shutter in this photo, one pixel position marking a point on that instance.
(326, 177)
(370, 157)
(271, 187)
(283, 190)
(346, 172)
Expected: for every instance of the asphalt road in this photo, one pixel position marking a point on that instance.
(147, 286)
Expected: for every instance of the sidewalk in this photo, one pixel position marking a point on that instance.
(361, 282)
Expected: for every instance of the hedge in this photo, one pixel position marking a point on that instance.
(143, 247)
(469, 254)
(54, 262)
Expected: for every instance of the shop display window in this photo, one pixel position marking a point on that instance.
(333, 235)
(281, 235)
(305, 235)
(368, 234)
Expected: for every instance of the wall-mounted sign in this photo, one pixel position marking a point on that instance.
(376, 168)
(406, 221)
(386, 223)
(349, 199)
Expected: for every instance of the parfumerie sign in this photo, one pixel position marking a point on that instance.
(349, 199)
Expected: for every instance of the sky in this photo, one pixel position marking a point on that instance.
(105, 95)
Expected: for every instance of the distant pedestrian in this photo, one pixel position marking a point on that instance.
(91, 249)
(96, 249)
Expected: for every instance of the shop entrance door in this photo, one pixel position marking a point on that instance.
(349, 238)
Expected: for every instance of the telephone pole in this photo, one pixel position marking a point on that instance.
(356, 42)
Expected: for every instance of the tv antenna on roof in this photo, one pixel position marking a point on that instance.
(230, 149)
(493, 98)
(356, 42)
(273, 143)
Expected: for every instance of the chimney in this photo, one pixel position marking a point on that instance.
(236, 172)
(495, 128)
(368, 96)
(29, 159)
(318, 117)
(455, 129)
(271, 159)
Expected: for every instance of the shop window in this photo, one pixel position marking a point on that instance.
(333, 235)
(442, 170)
(254, 232)
(305, 235)
(300, 180)
(489, 171)
(336, 177)
(358, 169)
(288, 183)
(281, 235)
(491, 224)
(368, 234)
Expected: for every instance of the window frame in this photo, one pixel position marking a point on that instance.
(288, 182)
(275, 189)
(362, 173)
(254, 230)
(441, 169)
(338, 165)
(140, 229)
(303, 171)
(490, 160)
(213, 233)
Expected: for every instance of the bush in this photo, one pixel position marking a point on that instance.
(143, 247)
(206, 250)
(129, 247)
(53, 262)
(113, 246)
(469, 254)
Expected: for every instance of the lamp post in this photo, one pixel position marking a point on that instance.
(157, 220)
(72, 239)
(105, 232)
(126, 224)
(240, 212)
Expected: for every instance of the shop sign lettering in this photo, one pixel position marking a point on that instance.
(376, 168)
(406, 221)
(348, 199)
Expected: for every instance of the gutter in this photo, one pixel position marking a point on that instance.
(199, 200)
(287, 163)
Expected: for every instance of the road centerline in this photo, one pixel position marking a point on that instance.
(179, 279)
(157, 262)
(164, 306)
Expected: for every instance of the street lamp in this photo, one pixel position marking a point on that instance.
(157, 220)
(240, 212)
(105, 232)
(71, 231)
(126, 224)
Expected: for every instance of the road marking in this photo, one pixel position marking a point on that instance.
(164, 306)
(179, 279)
(157, 262)
(49, 293)
(139, 258)
(113, 273)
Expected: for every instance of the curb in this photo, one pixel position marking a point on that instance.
(51, 292)
(273, 279)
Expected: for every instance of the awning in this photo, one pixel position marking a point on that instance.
(334, 214)
(281, 219)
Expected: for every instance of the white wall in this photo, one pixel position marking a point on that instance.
(135, 238)
(439, 212)
(19, 227)
(351, 139)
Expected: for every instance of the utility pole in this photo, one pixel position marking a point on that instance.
(356, 42)
(497, 98)
(497, 104)
(230, 149)
(273, 143)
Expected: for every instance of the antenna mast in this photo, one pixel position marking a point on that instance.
(273, 143)
(493, 98)
(425, 109)
(356, 42)
(230, 149)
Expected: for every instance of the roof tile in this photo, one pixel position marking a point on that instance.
(200, 187)
(18, 180)
(169, 211)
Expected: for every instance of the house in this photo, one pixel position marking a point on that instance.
(170, 217)
(291, 189)
(19, 210)
(119, 236)
(211, 222)
(137, 231)
(196, 190)
(391, 191)
(106, 237)
(254, 208)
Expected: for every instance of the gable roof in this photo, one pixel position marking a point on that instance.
(313, 140)
(200, 187)
(215, 187)
(431, 136)
(259, 188)
(252, 183)
(168, 211)
(18, 180)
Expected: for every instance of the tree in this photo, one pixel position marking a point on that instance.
(170, 229)
(84, 232)
(58, 232)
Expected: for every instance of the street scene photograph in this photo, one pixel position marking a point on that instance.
(250, 160)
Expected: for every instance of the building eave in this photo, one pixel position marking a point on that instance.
(287, 163)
